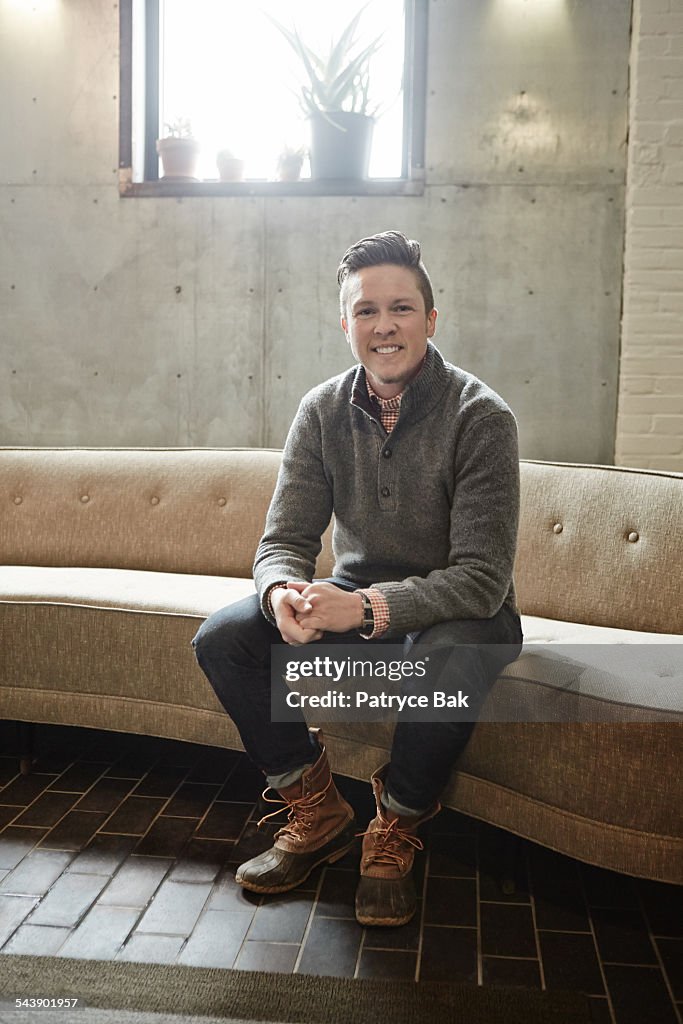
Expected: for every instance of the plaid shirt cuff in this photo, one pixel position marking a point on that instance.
(380, 611)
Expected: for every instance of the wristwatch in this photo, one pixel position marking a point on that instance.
(368, 624)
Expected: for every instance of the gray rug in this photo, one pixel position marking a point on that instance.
(133, 993)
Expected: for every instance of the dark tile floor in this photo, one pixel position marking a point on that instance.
(125, 847)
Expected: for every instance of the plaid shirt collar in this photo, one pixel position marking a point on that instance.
(389, 408)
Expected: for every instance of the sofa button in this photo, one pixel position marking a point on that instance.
(222, 502)
(85, 498)
(558, 528)
(154, 501)
(18, 500)
(633, 536)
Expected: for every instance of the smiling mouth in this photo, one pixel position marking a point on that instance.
(387, 350)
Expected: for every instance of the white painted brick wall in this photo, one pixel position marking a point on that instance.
(650, 411)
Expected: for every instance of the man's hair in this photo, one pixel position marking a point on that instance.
(386, 247)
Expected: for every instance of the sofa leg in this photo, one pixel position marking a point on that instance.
(26, 739)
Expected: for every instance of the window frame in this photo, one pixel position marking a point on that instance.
(412, 177)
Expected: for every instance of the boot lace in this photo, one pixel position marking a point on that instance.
(301, 813)
(388, 840)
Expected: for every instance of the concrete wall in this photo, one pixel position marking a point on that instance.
(650, 422)
(202, 321)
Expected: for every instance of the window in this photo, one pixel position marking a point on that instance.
(228, 75)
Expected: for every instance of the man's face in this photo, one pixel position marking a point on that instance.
(386, 325)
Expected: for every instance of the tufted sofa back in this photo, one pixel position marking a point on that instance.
(600, 545)
(176, 510)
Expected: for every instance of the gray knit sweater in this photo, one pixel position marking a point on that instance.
(428, 513)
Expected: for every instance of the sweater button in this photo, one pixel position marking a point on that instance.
(387, 453)
(385, 492)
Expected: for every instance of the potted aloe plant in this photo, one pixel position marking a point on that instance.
(179, 151)
(336, 102)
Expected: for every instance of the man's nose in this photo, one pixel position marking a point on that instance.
(385, 324)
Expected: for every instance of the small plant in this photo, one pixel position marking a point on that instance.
(180, 128)
(290, 161)
(179, 150)
(292, 153)
(338, 81)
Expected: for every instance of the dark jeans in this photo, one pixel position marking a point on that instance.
(233, 650)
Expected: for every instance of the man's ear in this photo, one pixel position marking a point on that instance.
(344, 325)
(431, 323)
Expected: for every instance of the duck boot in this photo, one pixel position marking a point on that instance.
(320, 829)
(386, 891)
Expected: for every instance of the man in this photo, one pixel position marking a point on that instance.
(418, 462)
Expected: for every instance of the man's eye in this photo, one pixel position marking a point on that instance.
(404, 309)
(365, 312)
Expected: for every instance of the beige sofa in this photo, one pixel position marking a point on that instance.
(110, 559)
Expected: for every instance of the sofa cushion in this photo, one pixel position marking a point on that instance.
(126, 589)
(538, 630)
(622, 666)
(572, 672)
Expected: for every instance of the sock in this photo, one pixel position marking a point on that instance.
(286, 778)
(392, 805)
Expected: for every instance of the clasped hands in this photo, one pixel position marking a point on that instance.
(304, 611)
